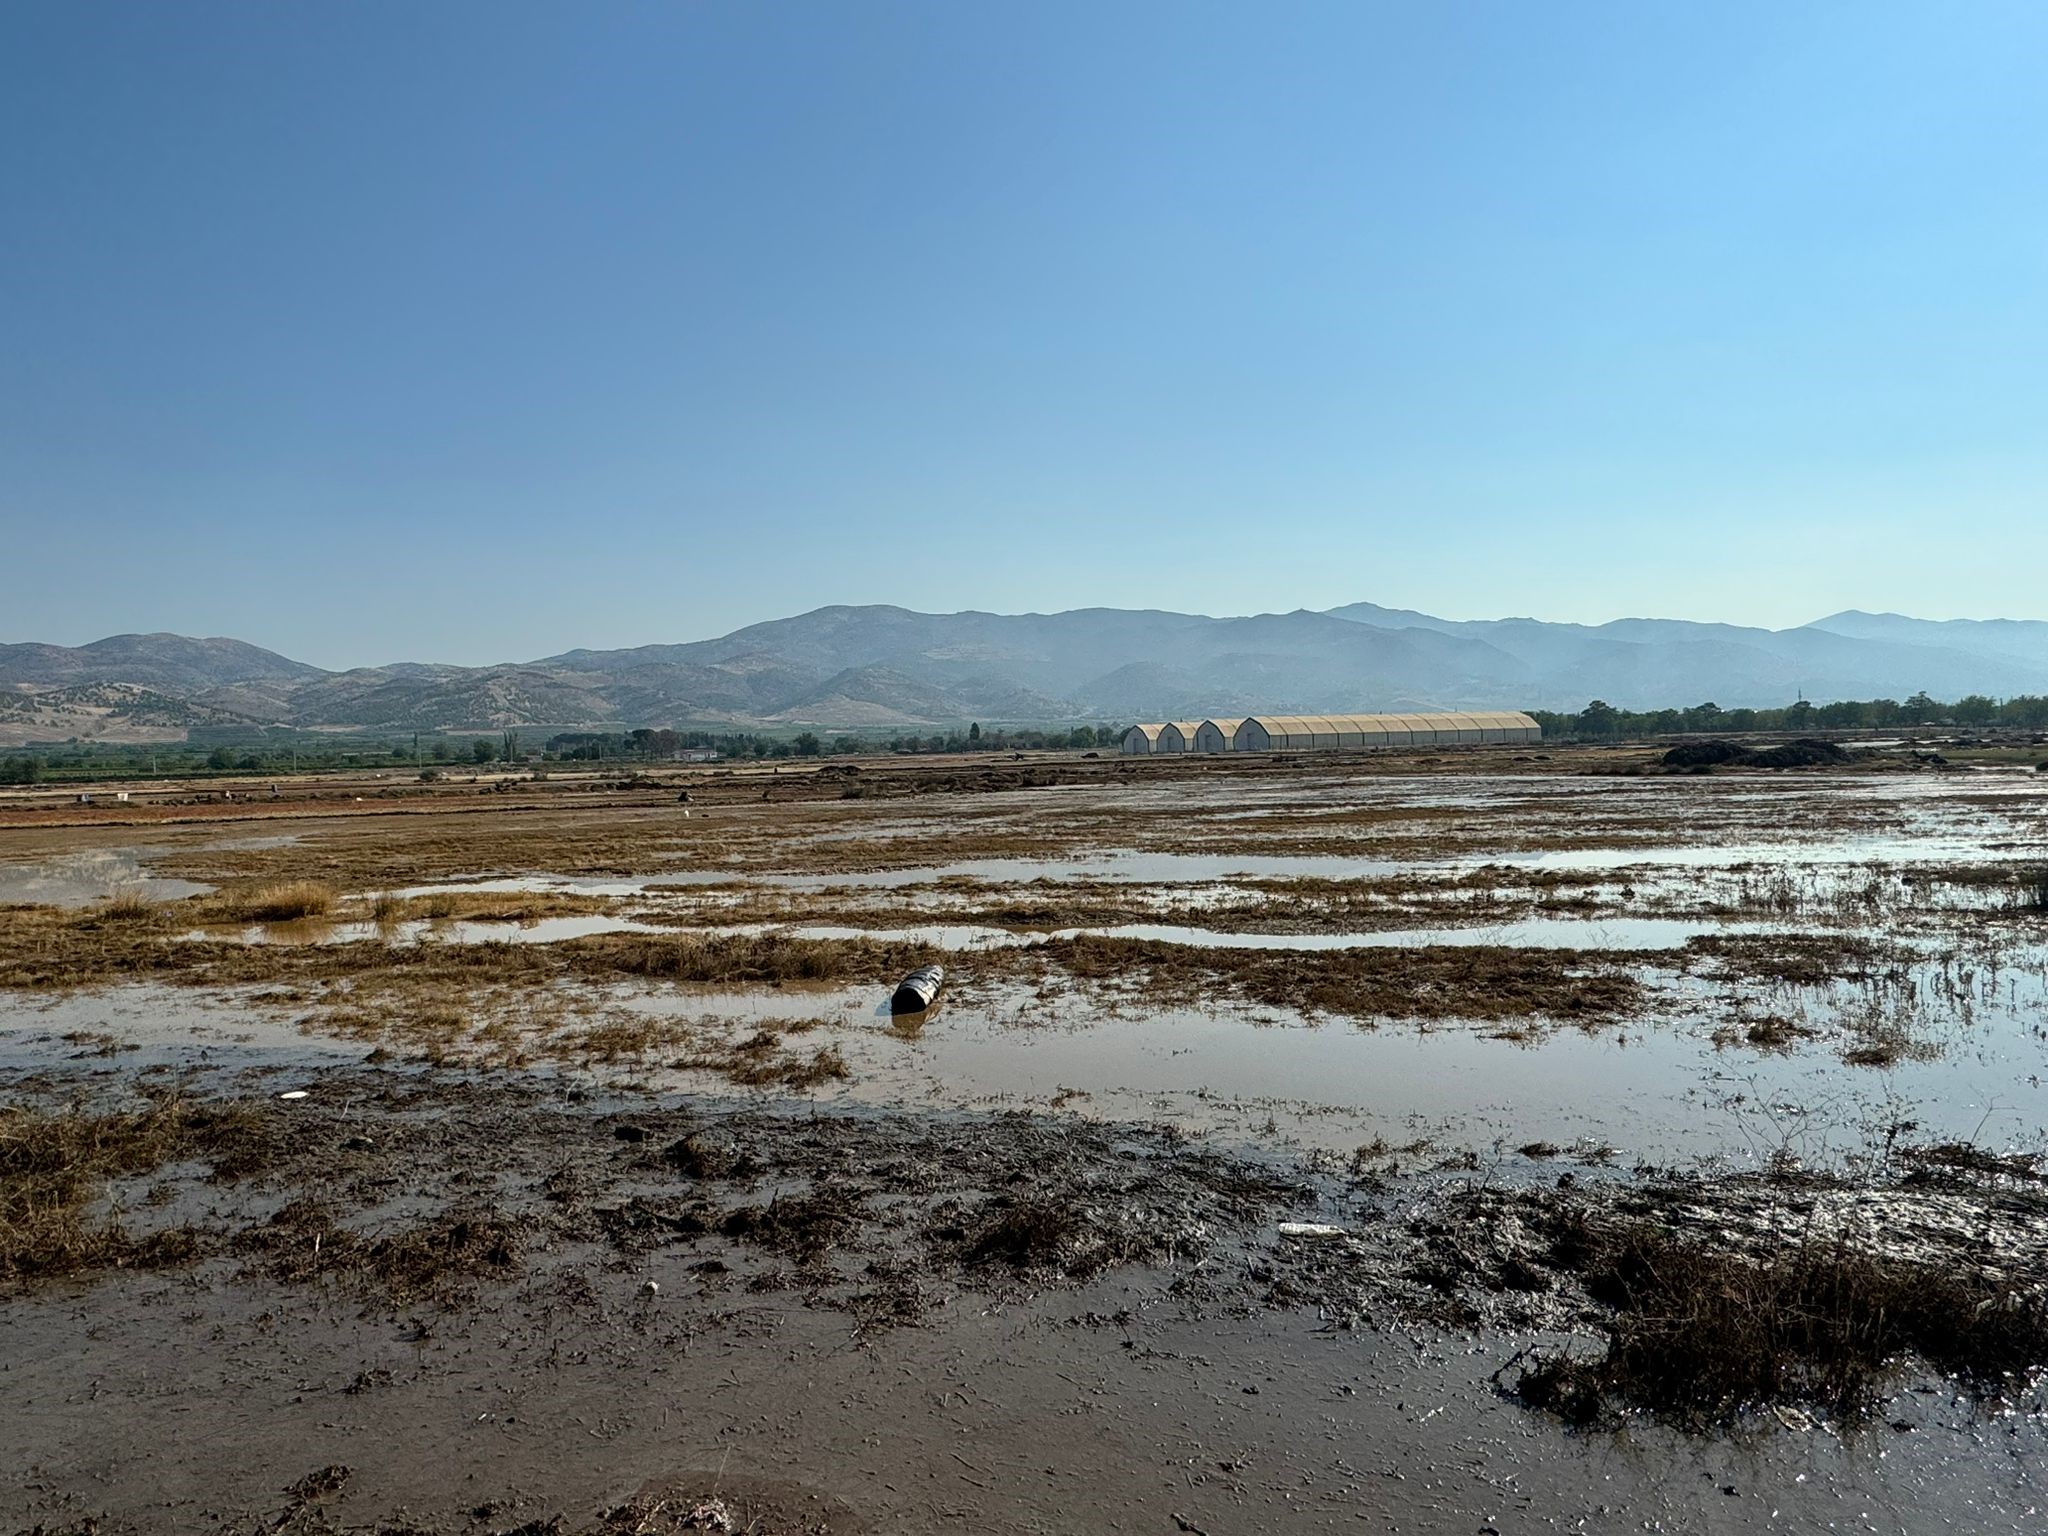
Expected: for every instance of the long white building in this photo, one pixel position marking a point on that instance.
(1334, 733)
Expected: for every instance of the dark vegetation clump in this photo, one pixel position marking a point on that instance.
(738, 959)
(1704, 754)
(1030, 1234)
(1772, 1032)
(1719, 754)
(1701, 1335)
(1061, 1233)
(55, 1169)
(805, 1227)
(305, 1241)
(1965, 1162)
(1479, 982)
(1795, 959)
(1797, 754)
(762, 1061)
(703, 1156)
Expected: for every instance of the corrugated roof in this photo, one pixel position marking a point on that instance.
(1333, 725)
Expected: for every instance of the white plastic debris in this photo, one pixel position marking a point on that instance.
(296, 1093)
(710, 1515)
(650, 1288)
(1310, 1229)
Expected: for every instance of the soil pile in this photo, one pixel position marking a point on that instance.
(1718, 754)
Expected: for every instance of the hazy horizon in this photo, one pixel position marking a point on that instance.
(685, 639)
(472, 332)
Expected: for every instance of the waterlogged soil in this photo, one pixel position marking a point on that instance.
(428, 1304)
(1289, 1151)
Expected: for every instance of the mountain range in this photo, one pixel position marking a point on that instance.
(878, 667)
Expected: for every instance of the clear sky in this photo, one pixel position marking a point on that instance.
(473, 332)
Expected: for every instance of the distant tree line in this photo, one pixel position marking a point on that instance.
(295, 752)
(656, 746)
(1600, 720)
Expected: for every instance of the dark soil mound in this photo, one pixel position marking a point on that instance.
(1796, 754)
(1704, 754)
(1791, 754)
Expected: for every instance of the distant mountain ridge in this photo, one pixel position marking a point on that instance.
(880, 667)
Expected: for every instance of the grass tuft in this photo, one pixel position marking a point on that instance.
(128, 907)
(283, 902)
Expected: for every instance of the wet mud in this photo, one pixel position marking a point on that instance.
(1478, 1145)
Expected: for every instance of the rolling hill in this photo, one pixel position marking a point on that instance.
(879, 667)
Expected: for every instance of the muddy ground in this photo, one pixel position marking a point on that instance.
(1467, 1145)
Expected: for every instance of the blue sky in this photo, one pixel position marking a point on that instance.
(478, 331)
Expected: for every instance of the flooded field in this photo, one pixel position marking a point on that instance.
(1355, 1102)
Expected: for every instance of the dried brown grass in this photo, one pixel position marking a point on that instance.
(55, 1168)
(282, 901)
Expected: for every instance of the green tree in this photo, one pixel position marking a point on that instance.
(482, 751)
(220, 757)
(1976, 709)
(1598, 718)
(808, 745)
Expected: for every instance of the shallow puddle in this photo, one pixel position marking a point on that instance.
(90, 875)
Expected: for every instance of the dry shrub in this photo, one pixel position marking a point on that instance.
(1701, 1334)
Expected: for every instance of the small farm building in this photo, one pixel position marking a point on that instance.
(1178, 736)
(1216, 735)
(1141, 740)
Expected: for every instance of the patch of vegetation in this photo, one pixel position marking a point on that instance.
(304, 1241)
(1485, 983)
(128, 907)
(1794, 959)
(1702, 1335)
(282, 902)
(55, 1168)
(805, 1226)
(1773, 1032)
